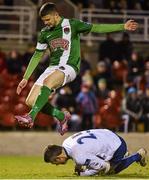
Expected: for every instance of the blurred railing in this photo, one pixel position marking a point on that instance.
(105, 16)
(17, 22)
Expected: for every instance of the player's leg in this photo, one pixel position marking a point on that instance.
(53, 81)
(38, 101)
(33, 94)
(119, 162)
(48, 108)
(61, 116)
(139, 157)
(67, 75)
(30, 100)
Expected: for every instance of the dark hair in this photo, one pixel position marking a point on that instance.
(51, 152)
(47, 8)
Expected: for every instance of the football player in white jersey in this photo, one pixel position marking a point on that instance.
(94, 151)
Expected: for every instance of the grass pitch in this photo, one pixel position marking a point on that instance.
(25, 167)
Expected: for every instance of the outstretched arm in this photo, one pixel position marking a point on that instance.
(31, 67)
(37, 56)
(130, 25)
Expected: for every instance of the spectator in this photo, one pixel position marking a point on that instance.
(145, 78)
(65, 99)
(2, 61)
(87, 101)
(135, 68)
(145, 109)
(119, 73)
(92, 8)
(111, 45)
(102, 92)
(103, 72)
(117, 6)
(85, 66)
(137, 6)
(79, 7)
(110, 111)
(131, 107)
(125, 48)
(75, 85)
(98, 4)
(14, 62)
(122, 5)
(88, 79)
(113, 6)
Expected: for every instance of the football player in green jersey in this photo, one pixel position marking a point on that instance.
(62, 37)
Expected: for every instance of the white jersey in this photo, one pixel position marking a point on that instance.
(92, 148)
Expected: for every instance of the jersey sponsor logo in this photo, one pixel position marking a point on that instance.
(59, 43)
(66, 30)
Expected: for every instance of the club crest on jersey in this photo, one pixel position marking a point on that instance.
(66, 30)
(59, 43)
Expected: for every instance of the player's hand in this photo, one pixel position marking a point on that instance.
(21, 86)
(131, 25)
(78, 169)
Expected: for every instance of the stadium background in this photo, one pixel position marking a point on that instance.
(114, 70)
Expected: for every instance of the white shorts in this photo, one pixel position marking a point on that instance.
(69, 72)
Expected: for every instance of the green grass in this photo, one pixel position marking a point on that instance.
(24, 167)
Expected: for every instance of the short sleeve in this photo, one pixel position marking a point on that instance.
(41, 42)
(82, 27)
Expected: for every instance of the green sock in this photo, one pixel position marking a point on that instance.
(53, 111)
(42, 99)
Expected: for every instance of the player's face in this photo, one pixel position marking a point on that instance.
(50, 20)
(61, 159)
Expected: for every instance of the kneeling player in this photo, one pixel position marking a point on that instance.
(94, 151)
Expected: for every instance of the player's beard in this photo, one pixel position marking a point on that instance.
(51, 26)
(54, 24)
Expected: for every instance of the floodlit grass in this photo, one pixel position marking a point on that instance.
(24, 167)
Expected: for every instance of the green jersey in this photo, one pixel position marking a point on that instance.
(63, 42)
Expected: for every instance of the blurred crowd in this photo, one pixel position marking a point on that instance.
(113, 5)
(114, 94)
